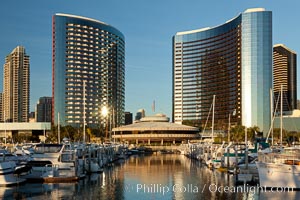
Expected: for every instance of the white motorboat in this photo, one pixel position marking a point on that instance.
(280, 169)
(7, 176)
(55, 160)
(94, 159)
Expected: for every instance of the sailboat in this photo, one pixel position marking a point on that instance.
(214, 160)
(280, 170)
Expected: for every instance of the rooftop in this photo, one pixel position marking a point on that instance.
(156, 126)
(79, 17)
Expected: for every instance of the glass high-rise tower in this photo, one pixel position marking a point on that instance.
(88, 71)
(232, 61)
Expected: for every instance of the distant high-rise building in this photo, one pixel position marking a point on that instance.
(285, 75)
(16, 82)
(232, 61)
(88, 71)
(140, 114)
(128, 118)
(32, 117)
(43, 110)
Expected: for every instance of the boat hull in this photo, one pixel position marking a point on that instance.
(279, 175)
(7, 177)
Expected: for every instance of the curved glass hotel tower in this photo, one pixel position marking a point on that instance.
(232, 61)
(88, 72)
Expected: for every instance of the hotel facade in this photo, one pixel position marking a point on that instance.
(232, 62)
(88, 72)
(285, 75)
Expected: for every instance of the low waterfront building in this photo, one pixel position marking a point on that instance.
(155, 129)
(10, 130)
(290, 121)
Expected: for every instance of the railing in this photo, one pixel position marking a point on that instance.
(67, 156)
(155, 136)
(279, 158)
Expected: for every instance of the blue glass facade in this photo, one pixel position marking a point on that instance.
(220, 61)
(256, 68)
(88, 71)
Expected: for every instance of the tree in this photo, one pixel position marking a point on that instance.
(237, 133)
(194, 123)
(252, 132)
(276, 134)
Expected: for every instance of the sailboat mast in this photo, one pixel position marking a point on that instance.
(58, 128)
(272, 120)
(281, 101)
(228, 134)
(5, 128)
(213, 118)
(84, 111)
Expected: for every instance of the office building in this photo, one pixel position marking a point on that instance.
(43, 109)
(285, 75)
(233, 62)
(128, 118)
(16, 83)
(32, 117)
(88, 72)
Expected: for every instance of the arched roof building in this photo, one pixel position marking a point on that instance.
(153, 129)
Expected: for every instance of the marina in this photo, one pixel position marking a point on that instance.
(57, 163)
(148, 176)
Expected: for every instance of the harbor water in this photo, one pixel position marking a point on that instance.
(156, 176)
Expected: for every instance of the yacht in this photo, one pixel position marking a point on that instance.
(94, 159)
(55, 163)
(7, 174)
(280, 169)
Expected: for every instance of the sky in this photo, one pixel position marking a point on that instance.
(148, 27)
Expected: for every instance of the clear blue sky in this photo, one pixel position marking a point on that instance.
(148, 26)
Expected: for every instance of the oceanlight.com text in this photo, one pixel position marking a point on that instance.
(212, 188)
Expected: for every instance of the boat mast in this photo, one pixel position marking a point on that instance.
(213, 118)
(246, 148)
(228, 134)
(58, 128)
(84, 111)
(272, 118)
(281, 101)
(5, 128)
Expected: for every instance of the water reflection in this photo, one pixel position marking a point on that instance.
(164, 176)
